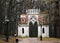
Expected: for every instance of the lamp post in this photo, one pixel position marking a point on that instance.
(6, 32)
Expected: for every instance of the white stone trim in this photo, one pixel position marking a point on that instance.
(26, 31)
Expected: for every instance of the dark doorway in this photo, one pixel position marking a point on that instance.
(33, 29)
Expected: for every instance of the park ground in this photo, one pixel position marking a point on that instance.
(31, 40)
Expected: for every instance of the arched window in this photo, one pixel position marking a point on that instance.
(23, 30)
(43, 30)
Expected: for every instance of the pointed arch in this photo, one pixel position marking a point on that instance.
(33, 29)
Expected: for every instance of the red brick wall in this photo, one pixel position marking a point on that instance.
(24, 20)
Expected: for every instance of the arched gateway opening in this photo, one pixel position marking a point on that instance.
(33, 29)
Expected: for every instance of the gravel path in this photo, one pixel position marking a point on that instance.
(35, 40)
(32, 40)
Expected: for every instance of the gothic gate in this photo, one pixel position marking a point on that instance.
(33, 29)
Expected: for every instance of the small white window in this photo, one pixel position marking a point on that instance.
(43, 30)
(23, 30)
